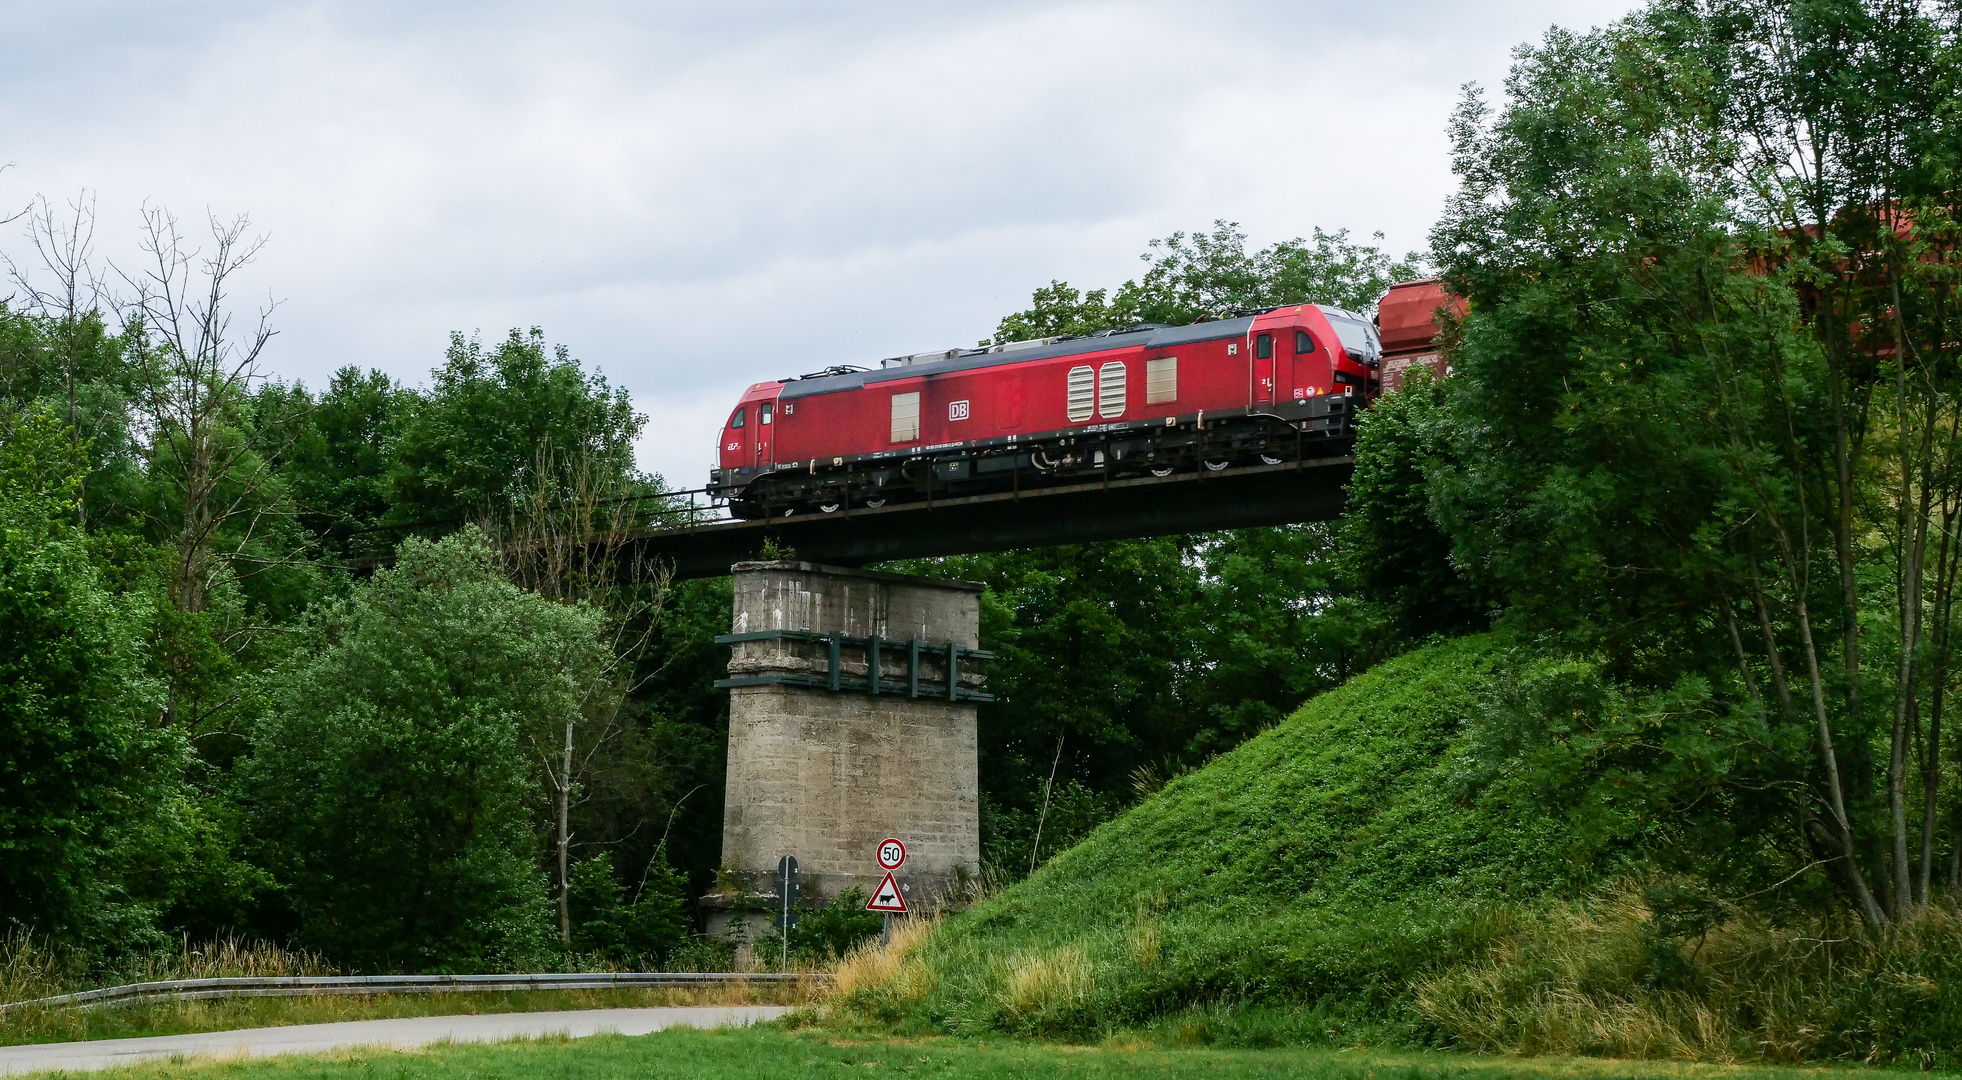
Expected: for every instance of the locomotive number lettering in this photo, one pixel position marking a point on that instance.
(957, 410)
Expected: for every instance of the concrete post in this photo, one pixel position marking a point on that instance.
(825, 774)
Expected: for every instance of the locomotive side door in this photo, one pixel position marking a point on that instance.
(766, 426)
(1310, 375)
(1267, 367)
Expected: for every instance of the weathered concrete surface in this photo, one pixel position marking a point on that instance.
(399, 1034)
(826, 775)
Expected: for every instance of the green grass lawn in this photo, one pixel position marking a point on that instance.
(773, 1052)
(228, 1014)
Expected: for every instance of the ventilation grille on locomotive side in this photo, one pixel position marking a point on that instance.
(1110, 390)
(1082, 393)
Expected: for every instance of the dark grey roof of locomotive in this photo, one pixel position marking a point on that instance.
(1153, 339)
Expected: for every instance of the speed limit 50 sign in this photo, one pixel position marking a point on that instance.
(891, 854)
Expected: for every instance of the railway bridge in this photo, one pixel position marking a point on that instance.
(699, 542)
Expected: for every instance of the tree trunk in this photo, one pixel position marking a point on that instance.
(1842, 827)
(1737, 645)
(565, 841)
(1908, 527)
(1788, 710)
(1955, 866)
(1931, 749)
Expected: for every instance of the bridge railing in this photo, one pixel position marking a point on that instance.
(681, 508)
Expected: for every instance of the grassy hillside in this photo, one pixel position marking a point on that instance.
(1356, 874)
(1327, 861)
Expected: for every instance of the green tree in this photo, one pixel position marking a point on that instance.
(81, 763)
(391, 777)
(338, 452)
(1705, 394)
(1199, 275)
(472, 443)
(1395, 556)
(639, 925)
(59, 348)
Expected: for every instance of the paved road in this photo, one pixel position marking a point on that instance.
(399, 1034)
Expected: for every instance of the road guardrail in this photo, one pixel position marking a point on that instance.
(317, 985)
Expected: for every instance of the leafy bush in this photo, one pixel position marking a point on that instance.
(828, 933)
(702, 952)
(822, 935)
(638, 931)
(390, 778)
(1400, 560)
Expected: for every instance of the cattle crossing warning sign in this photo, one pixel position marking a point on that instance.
(886, 897)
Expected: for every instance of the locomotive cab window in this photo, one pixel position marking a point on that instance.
(763, 412)
(1264, 347)
(736, 421)
(1303, 343)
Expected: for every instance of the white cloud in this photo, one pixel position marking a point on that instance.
(697, 196)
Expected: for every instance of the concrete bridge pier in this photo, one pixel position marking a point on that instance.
(852, 698)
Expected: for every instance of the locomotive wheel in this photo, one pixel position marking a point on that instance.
(875, 503)
(1270, 459)
(1161, 470)
(790, 511)
(1215, 466)
(829, 508)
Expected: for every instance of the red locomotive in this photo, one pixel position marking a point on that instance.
(1262, 387)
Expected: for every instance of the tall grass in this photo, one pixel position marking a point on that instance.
(1607, 977)
(31, 968)
(884, 981)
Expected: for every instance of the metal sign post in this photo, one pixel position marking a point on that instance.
(887, 898)
(787, 905)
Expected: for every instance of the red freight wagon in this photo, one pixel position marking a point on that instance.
(1407, 319)
(1264, 387)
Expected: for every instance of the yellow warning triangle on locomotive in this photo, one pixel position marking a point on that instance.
(886, 897)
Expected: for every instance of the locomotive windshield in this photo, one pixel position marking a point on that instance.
(1358, 336)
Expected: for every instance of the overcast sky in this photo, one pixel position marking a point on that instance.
(694, 197)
